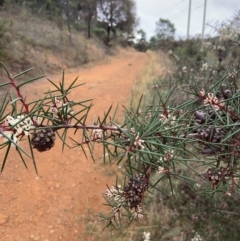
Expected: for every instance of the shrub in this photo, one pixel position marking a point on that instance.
(79, 26)
(183, 144)
(3, 30)
(100, 33)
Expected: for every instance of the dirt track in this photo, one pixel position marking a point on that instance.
(56, 205)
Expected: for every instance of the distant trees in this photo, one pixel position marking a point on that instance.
(88, 10)
(141, 44)
(112, 15)
(164, 29)
(116, 15)
(142, 34)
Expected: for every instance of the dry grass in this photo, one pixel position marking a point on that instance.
(44, 45)
(157, 215)
(151, 74)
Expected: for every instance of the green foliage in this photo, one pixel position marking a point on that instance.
(83, 14)
(142, 44)
(142, 33)
(206, 209)
(80, 26)
(153, 43)
(191, 52)
(181, 145)
(116, 16)
(100, 32)
(164, 29)
(3, 29)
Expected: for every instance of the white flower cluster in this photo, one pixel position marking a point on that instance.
(114, 192)
(232, 74)
(229, 32)
(184, 69)
(219, 48)
(213, 100)
(137, 213)
(207, 44)
(21, 126)
(59, 105)
(138, 143)
(204, 67)
(117, 195)
(160, 169)
(170, 120)
(197, 237)
(170, 53)
(146, 236)
(98, 133)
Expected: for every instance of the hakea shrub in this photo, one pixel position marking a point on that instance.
(156, 139)
(206, 93)
(187, 135)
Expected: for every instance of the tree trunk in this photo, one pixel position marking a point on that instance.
(68, 23)
(109, 29)
(89, 26)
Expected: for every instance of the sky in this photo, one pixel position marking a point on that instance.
(150, 11)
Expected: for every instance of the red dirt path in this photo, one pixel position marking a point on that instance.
(56, 204)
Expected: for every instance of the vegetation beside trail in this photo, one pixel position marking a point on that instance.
(178, 144)
(51, 35)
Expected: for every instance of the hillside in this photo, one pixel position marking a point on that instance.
(29, 41)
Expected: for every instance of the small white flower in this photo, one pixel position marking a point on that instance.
(184, 69)
(37, 120)
(204, 67)
(137, 214)
(202, 92)
(138, 143)
(6, 133)
(213, 100)
(197, 185)
(132, 130)
(197, 237)
(146, 236)
(58, 105)
(111, 191)
(98, 133)
(160, 169)
(21, 125)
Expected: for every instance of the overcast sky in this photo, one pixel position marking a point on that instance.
(149, 12)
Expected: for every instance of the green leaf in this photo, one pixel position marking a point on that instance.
(6, 155)
(24, 72)
(32, 155)
(8, 74)
(31, 80)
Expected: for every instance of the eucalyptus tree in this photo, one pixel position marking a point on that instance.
(116, 15)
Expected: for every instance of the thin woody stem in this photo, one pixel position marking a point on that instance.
(72, 126)
(12, 81)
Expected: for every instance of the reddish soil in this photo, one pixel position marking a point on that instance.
(61, 202)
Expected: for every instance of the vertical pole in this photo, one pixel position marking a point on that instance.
(189, 17)
(204, 18)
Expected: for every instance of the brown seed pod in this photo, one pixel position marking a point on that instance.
(135, 189)
(43, 140)
(215, 175)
